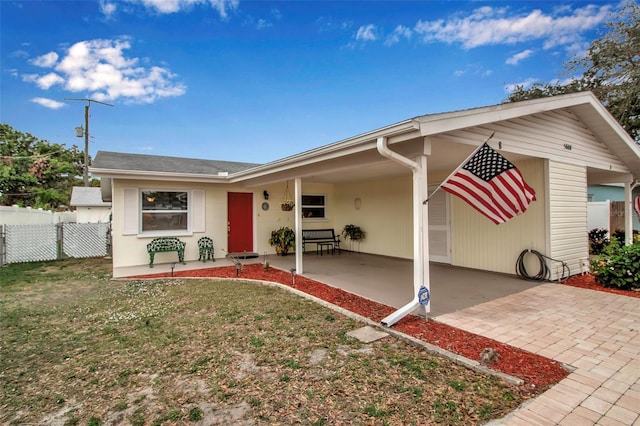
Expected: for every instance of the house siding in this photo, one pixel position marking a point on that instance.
(385, 214)
(568, 233)
(478, 243)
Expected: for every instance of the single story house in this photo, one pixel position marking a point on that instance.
(89, 205)
(379, 181)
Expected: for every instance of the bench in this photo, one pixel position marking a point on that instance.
(324, 238)
(166, 244)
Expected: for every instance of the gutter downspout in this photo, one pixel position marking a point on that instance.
(420, 231)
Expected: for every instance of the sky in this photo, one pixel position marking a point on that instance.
(257, 81)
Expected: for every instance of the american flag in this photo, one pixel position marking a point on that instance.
(491, 185)
(636, 206)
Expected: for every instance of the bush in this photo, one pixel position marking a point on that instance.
(598, 240)
(618, 266)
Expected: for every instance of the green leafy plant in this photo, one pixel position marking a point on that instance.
(283, 239)
(598, 240)
(618, 266)
(353, 232)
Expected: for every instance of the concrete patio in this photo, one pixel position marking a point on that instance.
(596, 334)
(383, 279)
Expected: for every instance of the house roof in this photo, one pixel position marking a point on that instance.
(356, 156)
(163, 164)
(87, 197)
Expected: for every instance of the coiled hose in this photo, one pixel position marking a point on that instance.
(544, 273)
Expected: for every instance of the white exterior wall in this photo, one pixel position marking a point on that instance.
(130, 250)
(385, 214)
(93, 214)
(478, 243)
(568, 233)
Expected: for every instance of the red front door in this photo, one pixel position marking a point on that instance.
(239, 222)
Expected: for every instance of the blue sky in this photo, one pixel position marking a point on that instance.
(258, 81)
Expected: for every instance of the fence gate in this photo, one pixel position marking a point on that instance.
(84, 239)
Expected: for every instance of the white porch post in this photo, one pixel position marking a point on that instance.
(628, 213)
(298, 224)
(421, 230)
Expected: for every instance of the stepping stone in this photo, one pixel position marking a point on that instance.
(367, 334)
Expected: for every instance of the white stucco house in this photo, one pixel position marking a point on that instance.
(89, 206)
(379, 181)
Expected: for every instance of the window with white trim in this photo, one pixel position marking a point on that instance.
(164, 211)
(314, 206)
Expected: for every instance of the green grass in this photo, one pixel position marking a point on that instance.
(79, 348)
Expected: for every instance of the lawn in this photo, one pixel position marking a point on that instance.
(79, 348)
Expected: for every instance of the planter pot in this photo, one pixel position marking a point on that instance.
(286, 207)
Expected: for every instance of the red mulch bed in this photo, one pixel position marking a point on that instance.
(588, 281)
(535, 370)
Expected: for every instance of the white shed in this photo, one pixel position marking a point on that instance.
(89, 205)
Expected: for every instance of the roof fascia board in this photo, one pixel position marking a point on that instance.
(152, 175)
(406, 130)
(446, 122)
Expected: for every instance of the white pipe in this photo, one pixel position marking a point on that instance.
(420, 252)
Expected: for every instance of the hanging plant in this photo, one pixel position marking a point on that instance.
(287, 203)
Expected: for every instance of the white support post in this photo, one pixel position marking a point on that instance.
(298, 224)
(628, 213)
(421, 226)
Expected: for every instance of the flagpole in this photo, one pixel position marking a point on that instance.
(458, 168)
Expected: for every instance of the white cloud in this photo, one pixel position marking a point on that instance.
(492, 26)
(48, 103)
(48, 80)
(515, 59)
(473, 69)
(45, 61)
(108, 8)
(399, 32)
(175, 6)
(366, 33)
(100, 69)
(525, 84)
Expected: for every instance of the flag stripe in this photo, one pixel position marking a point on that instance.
(636, 206)
(493, 186)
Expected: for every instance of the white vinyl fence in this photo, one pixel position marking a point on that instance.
(14, 215)
(34, 243)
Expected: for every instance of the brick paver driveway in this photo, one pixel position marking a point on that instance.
(593, 332)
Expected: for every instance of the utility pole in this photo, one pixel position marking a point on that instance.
(79, 132)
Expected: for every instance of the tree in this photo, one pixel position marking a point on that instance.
(610, 69)
(35, 172)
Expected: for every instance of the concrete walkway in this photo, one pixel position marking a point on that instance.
(594, 332)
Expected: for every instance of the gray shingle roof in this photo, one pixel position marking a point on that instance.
(158, 163)
(87, 197)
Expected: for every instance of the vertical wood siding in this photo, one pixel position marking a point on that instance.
(568, 233)
(478, 243)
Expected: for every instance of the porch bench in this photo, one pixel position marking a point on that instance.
(166, 244)
(322, 237)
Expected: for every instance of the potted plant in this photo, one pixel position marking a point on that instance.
(287, 205)
(353, 232)
(283, 239)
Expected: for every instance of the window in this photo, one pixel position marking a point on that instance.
(165, 211)
(313, 206)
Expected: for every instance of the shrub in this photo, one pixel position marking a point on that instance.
(618, 266)
(597, 240)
